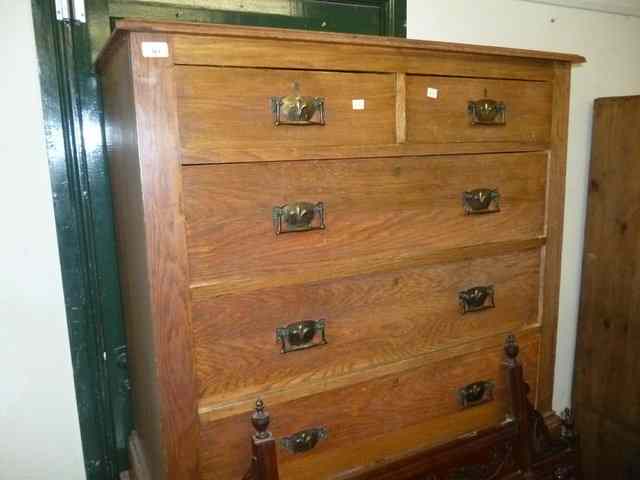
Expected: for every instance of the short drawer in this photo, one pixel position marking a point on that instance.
(226, 113)
(446, 110)
(289, 337)
(259, 225)
(373, 420)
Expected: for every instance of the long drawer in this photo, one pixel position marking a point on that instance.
(225, 110)
(453, 110)
(286, 337)
(259, 225)
(376, 419)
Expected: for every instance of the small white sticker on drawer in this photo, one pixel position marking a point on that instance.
(357, 103)
(432, 92)
(155, 49)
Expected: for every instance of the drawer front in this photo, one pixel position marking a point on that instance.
(367, 321)
(225, 110)
(370, 421)
(377, 213)
(446, 110)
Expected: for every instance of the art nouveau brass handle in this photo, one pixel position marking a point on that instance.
(481, 200)
(296, 109)
(305, 440)
(477, 298)
(476, 393)
(301, 335)
(487, 111)
(298, 217)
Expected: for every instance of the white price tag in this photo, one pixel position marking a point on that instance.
(432, 92)
(357, 103)
(155, 49)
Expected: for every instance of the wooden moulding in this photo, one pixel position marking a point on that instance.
(520, 448)
(199, 29)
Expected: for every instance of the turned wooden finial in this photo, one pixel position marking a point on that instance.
(260, 420)
(511, 349)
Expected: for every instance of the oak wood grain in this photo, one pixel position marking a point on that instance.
(196, 173)
(164, 234)
(271, 53)
(370, 320)
(203, 30)
(401, 108)
(299, 152)
(355, 413)
(212, 412)
(550, 294)
(445, 119)
(236, 109)
(133, 262)
(378, 211)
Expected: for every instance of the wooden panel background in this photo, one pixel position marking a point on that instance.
(607, 376)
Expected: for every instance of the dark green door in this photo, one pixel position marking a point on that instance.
(80, 179)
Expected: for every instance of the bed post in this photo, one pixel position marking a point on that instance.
(264, 461)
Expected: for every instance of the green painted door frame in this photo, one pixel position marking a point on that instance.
(74, 131)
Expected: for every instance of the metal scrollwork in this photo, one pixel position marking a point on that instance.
(476, 393)
(298, 217)
(487, 111)
(302, 335)
(481, 200)
(296, 109)
(305, 440)
(476, 299)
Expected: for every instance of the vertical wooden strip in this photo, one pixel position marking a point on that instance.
(555, 219)
(157, 126)
(122, 146)
(401, 108)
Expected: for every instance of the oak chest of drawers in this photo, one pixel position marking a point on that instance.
(345, 227)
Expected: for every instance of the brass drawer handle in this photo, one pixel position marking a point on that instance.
(296, 109)
(298, 217)
(301, 335)
(476, 393)
(487, 111)
(477, 298)
(305, 440)
(481, 200)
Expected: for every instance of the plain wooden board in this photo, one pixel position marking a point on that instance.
(606, 384)
(550, 291)
(122, 150)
